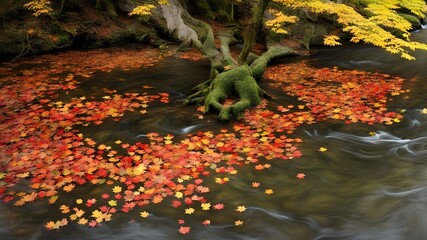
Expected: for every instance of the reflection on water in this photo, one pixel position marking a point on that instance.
(364, 187)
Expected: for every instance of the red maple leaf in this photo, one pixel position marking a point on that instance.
(218, 206)
(184, 230)
(300, 175)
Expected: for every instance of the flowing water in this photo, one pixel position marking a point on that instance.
(364, 187)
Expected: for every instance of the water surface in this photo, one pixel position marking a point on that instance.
(364, 187)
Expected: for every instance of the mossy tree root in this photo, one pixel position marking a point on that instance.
(239, 82)
(274, 51)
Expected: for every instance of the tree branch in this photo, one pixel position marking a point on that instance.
(274, 51)
(227, 37)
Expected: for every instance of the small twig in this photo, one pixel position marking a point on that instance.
(24, 50)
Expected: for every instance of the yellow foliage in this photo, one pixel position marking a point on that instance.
(162, 2)
(331, 40)
(277, 24)
(143, 10)
(388, 17)
(376, 29)
(417, 7)
(39, 7)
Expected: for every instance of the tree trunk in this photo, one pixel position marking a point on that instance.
(252, 30)
(228, 77)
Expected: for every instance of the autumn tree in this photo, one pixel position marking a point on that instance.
(377, 22)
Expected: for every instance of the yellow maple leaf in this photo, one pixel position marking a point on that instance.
(140, 169)
(323, 149)
(222, 180)
(79, 212)
(144, 214)
(82, 221)
(179, 195)
(189, 211)
(52, 225)
(269, 191)
(73, 217)
(64, 209)
(23, 175)
(241, 208)
(112, 203)
(238, 223)
(117, 189)
(206, 206)
(96, 214)
(69, 187)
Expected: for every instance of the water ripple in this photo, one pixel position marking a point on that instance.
(390, 193)
(379, 145)
(273, 214)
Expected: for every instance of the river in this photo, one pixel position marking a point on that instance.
(363, 188)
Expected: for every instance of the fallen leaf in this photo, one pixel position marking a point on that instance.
(241, 208)
(144, 214)
(269, 191)
(300, 175)
(238, 223)
(189, 211)
(323, 149)
(184, 230)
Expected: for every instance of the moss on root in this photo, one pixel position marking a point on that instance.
(237, 81)
(415, 21)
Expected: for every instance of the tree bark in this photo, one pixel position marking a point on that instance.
(252, 29)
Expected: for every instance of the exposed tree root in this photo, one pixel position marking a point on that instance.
(228, 77)
(238, 82)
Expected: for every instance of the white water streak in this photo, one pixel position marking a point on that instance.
(404, 193)
(379, 145)
(273, 214)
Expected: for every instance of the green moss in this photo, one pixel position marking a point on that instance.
(237, 81)
(205, 8)
(260, 64)
(20, 41)
(12, 42)
(224, 16)
(108, 6)
(415, 21)
(129, 34)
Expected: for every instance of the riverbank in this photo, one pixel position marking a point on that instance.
(78, 25)
(86, 25)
